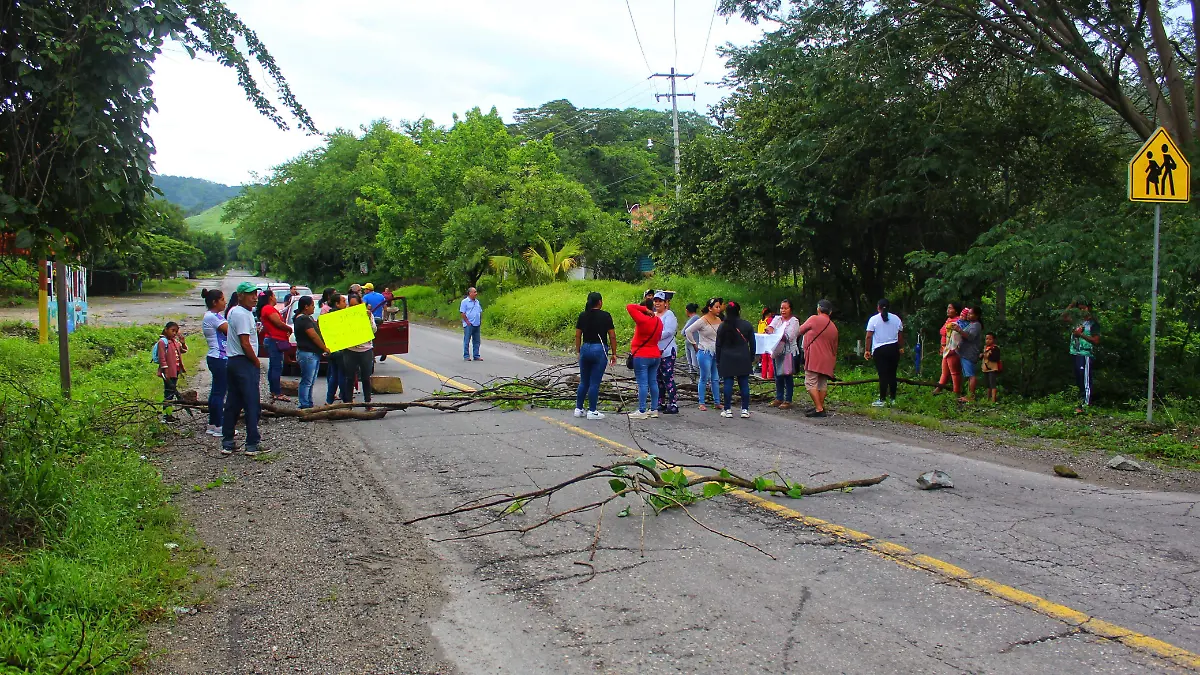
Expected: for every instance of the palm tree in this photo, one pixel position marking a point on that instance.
(554, 265)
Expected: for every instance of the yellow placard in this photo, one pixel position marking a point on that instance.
(1159, 172)
(346, 327)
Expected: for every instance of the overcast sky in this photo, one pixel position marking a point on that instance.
(355, 61)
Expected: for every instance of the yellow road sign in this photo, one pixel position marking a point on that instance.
(1159, 172)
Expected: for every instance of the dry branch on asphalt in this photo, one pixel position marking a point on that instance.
(650, 480)
(552, 387)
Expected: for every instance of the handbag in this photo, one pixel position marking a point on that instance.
(787, 365)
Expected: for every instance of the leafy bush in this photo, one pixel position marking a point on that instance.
(83, 518)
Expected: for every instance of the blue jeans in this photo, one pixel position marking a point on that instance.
(310, 363)
(243, 396)
(646, 372)
(743, 388)
(593, 358)
(470, 339)
(274, 366)
(708, 376)
(333, 378)
(216, 395)
(784, 385)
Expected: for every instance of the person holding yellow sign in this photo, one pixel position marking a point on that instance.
(358, 361)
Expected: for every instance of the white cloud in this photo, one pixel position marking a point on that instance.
(371, 59)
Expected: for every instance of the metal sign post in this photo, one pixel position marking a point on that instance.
(1159, 172)
(1153, 316)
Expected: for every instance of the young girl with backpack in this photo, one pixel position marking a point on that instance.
(168, 353)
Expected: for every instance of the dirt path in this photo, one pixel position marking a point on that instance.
(307, 568)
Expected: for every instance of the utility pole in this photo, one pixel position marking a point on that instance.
(674, 96)
(64, 352)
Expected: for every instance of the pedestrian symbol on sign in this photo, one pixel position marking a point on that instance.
(1159, 172)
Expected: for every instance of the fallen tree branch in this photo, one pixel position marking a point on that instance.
(655, 483)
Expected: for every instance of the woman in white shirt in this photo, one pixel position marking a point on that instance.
(702, 334)
(216, 330)
(786, 356)
(884, 339)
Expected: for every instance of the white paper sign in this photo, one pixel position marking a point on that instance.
(764, 343)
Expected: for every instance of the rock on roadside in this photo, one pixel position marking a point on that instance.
(1121, 463)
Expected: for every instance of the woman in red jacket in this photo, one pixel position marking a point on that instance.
(647, 329)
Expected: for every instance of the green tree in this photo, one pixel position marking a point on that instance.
(74, 149)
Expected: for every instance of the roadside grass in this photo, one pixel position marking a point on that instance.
(545, 315)
(1173, 440)
(85, 520)
(172, 286)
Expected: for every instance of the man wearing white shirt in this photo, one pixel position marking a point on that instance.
(668, 402)
(472, 317)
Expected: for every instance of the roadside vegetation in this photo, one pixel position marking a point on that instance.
(90, 546)
(170, 285)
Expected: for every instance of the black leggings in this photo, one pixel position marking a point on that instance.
(360, 365)
(887, 360)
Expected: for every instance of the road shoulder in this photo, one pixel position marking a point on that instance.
(308, 566)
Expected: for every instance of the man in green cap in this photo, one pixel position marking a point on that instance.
(242, 372)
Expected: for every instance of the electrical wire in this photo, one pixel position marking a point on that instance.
(582, 111)
(638, 38)
(675, 31)
(704, 54)
(599, 118)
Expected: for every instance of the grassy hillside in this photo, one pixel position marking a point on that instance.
(194, 195)
(209, 220)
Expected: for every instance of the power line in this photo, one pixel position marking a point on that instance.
(602, 116)
(583, 111)
(675, 30)
(704, 54)
(638, 37)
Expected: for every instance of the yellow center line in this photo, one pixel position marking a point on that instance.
(441, 378)
(906, 557)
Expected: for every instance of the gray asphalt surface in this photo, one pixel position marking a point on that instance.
(671, 597)
(684, 600)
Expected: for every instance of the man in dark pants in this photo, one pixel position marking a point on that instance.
(1084, 337)
(242, 372)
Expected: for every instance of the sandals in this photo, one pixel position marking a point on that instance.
(281, 398)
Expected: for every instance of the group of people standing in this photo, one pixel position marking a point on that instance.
(968, 353)
(231, 328)
(724, 348)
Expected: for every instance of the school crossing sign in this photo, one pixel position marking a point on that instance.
(1159, 172)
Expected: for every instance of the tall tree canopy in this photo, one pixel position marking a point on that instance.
(427, 202)
(1133, 57)
(75, 156)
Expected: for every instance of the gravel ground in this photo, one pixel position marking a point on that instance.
(307, 567)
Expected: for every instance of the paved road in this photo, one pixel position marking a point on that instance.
(695, 602)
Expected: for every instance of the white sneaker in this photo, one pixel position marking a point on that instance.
(213, 431)
(639, 415)
(878, 403)
(653, 413)
(594, 415)
(727, 413)
(745, 414)
(579, 412)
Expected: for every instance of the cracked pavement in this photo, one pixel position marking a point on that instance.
(680, 599)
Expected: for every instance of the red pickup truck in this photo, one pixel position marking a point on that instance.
(391, 337)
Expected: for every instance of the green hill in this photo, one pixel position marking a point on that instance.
(194, 195)
(209, 220)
